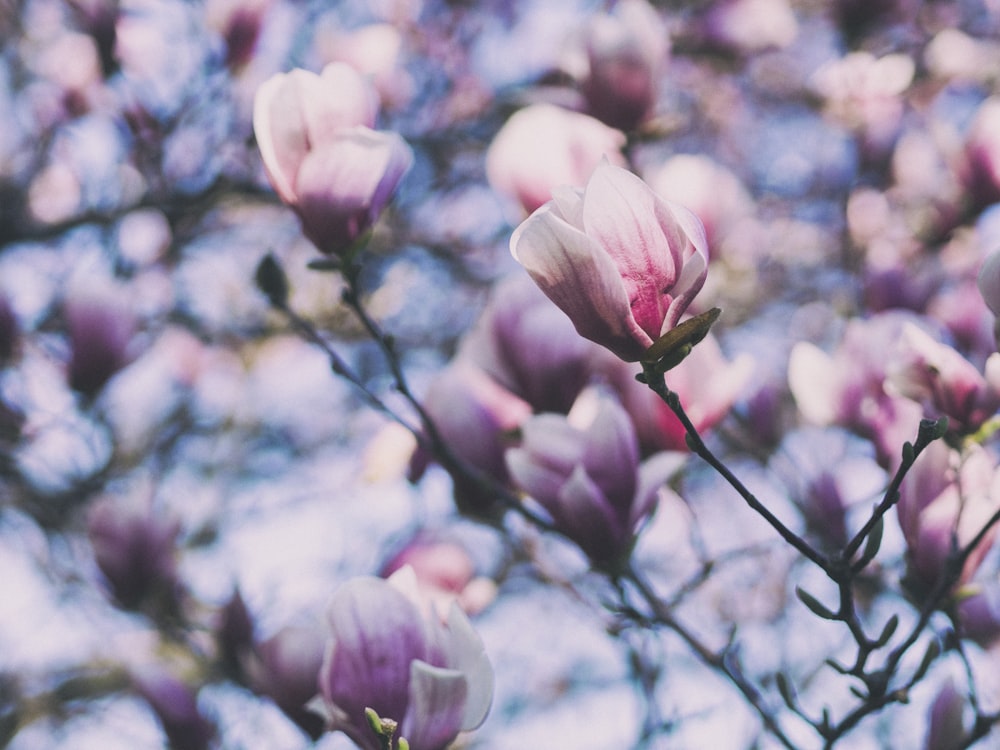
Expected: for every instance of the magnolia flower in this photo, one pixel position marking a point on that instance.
(476, 418)
(387, 653)
(945, 720)
(101, 333)
(135, 550)
(934, 374)
(529, 346)
(943, 505)
(584, 469)
(175, 705)
(621, 262)
(321, 155)
(848, 387)
(988, 282)
(544, 146)
(982, 154)
(626, 50)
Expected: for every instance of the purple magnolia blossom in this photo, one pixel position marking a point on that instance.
(945, 723)
(827, 471)
(476, 417)
(944, 504)
(978, 611)
(321, 155)
(387, 653)
(135, 550)
(626, 51)
(621, 262)
(343, 187)
(529, 346)
(982, 154)
(584, 469)
(176, 707)
(942, 380)
(101, 332)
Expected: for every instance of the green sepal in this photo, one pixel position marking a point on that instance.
(671, 348)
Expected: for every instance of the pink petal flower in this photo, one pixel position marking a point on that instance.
(622, 263)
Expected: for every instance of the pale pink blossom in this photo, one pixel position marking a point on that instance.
(620, 261)
(981, 168)
(943, 381)
(945, 501)
(321, 155)
(847, 387)
(542, 147)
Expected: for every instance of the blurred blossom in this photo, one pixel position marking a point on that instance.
(981, 168)
(135, 550)
(944, 503)
(708, 385)
(375, 51)
(714, 193)
(864, 92)
(827, 473)
(175, 705)
(162, 50)
(542, 147)
(584, 470)
(978, 611)
(626, 53)
(961, 309)
(945, 723)
(239, 22)
(621, 262)
(953, 55)
(387, 652)
(749, 26)
(989, 282)
(530, 347)
(71, 62)
(143, 236)
(10, 332)
(101, 334)
(286, 668)
(847, 387)
(55, 194)
(321, 156)
(477, 419)
(943, 381)
(234, 632)
(445, 573)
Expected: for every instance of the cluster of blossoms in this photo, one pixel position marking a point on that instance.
(842, 162)
(558, 415)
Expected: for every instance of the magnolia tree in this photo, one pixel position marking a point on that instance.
(426, 374)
